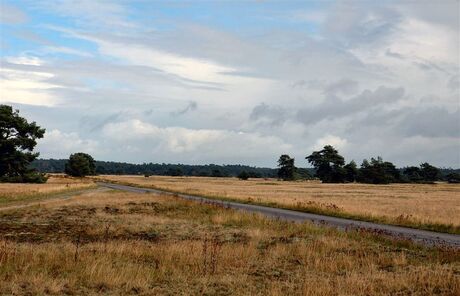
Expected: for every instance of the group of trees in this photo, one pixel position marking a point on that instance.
(80, 165)
(162, 169)
(18, 139)
(330, 167)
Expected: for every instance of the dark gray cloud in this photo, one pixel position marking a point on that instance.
(431, 122)
(96, 123)
(334, 108)
(272, 115)
(191, 106)
(343, 86)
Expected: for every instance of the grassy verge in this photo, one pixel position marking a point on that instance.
(315, 209)
(11, 200)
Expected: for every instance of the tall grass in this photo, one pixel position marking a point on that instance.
(12, 193)
(123, 243)
(431, 207)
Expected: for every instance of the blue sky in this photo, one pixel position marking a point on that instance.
(236, 81)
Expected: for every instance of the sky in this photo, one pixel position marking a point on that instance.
(236, 82)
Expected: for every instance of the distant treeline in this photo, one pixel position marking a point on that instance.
(122, 168)
(211, 170)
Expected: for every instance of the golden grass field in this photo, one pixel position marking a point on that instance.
(12, 192)
(117, 243)
(429, 206)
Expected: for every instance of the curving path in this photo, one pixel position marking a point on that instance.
(417, 235)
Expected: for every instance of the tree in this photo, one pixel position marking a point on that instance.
(429, 172)
(453, 177)
(243, 175)
(392, 173)
(378, 171)
(413, 174)
(80, 165)
(328, 164)
(253, 174)
(286, 167)
(351, 171)
(175, 172)
(216, 173)
(17, 141)
(425, 173)
(302, 174)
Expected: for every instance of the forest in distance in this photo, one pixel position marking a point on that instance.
(209, 170)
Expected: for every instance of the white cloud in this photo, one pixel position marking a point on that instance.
(26, 87)
(182, 66)
(66, 50)
(193, 145)
(335, 141)
(58, 144)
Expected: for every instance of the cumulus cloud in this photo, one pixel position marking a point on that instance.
(58, 144)
(194, 145)
(335, 141)
(273, 115)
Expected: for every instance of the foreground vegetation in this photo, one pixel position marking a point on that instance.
(123, 243)
(11, 193)
(426, 206)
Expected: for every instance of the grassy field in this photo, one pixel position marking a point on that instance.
(124, 243)
(433, 207)
(12, 193)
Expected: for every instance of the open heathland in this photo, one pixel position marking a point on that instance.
(427, 206)
(125, 243)
(13, 193)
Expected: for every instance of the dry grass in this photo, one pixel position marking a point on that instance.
(124, 243)
(435, 207)
(11, 193)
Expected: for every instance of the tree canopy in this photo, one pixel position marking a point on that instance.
(426, 173)
(286, 167)
(328, 164)
(377, 171)
(18, 139)
(330, 168)
(243, 175)
(80, 165)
